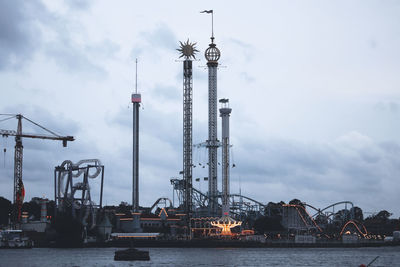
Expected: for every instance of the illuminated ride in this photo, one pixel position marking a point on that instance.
(226, 223)
(351, 226)
(359, 227)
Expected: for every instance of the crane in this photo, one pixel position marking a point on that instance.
(19, 191)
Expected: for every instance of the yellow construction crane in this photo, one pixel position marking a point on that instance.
(19, 191)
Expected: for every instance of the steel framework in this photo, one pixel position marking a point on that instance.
(212, 54)
(72, 189)
(187, 134)
(225, 112)
(19, 191)
(240, 206)
(188, 51)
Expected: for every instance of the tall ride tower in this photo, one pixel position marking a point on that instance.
(225, 222)
(187, 51)
(136, 100)
(225, 112)
(212, 54)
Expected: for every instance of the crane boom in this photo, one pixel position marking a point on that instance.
(7, 133)
(19, 191)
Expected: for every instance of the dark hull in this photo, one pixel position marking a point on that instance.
(131, 254)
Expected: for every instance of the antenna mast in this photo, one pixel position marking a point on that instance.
(136, 78)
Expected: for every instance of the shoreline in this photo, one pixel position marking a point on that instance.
(230, 244)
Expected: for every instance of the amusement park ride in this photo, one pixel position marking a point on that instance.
(73, 188)
(186, 193)
(215, 207)
(211, 211)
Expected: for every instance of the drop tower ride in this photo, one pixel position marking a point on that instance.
(188, 51)
(136, 100)
(212, 54)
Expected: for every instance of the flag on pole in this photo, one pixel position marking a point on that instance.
(207, 11)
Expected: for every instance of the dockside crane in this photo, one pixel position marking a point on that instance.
(19, 191)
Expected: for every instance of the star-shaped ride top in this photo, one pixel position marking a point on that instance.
(188, 50)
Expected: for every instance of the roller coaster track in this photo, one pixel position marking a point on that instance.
(363, 231)
(248, 198)
(164, 199)
(297, 207)
(354, 222)
(320, 211)
(202, 198)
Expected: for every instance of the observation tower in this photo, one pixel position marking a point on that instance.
(212, 54)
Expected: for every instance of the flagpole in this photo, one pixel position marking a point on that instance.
(212, 24)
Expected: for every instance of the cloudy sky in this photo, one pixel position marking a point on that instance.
(314, 87)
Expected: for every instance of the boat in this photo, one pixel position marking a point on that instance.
(14, 239)
(131, 254)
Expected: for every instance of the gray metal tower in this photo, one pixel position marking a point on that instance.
(136, 100)
(212, 54)
(188, 51)
(225, 222)
(225, 112)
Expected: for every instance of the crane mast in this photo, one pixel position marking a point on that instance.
(19, 191)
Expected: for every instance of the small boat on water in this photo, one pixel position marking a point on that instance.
(131, 254)
(14, 239)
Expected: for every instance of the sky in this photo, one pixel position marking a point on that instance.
(314, 88)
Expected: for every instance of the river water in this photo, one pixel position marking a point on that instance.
(388, 256)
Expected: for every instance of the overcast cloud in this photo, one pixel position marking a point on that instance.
(314, 87)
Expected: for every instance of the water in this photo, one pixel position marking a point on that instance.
(388, 256)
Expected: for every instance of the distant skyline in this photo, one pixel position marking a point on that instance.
(314, 87)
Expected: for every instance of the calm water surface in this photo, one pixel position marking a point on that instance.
(388, 256)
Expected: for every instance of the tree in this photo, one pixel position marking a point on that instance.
(5, 210)
(357, 214)
(268, 224)
(33, 208)
(383, 215)
(124, 208)
(342, 216)
(296, 202)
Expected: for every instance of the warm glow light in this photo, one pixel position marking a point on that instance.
(163, 209)
(358, 229)
(226, 224)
